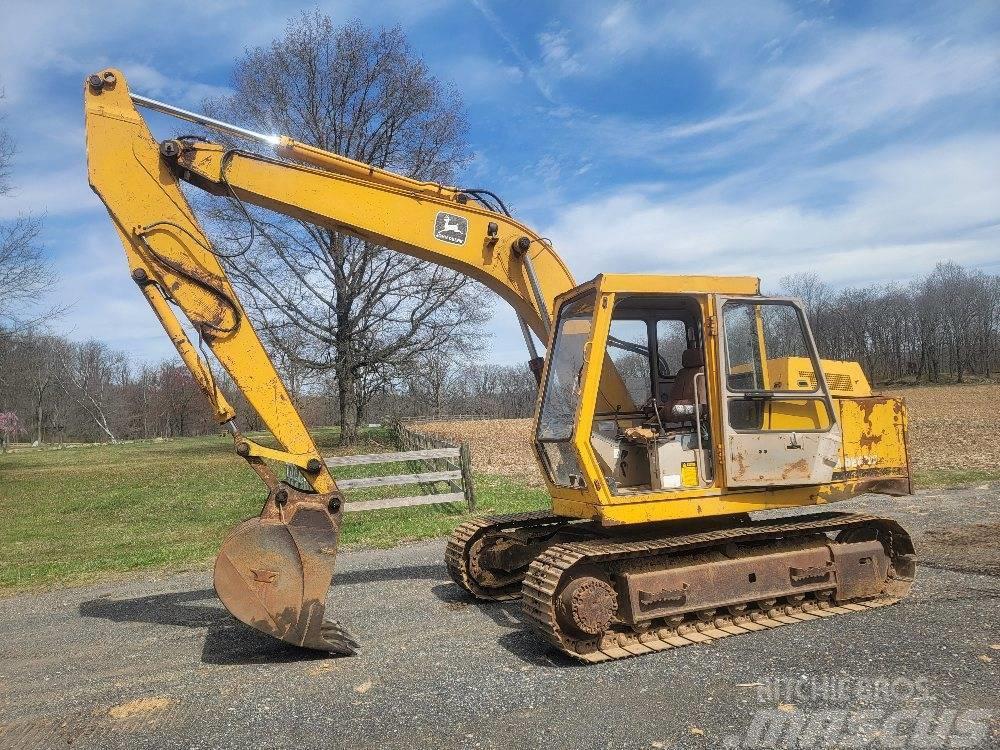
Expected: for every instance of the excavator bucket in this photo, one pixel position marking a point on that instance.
(273, 572)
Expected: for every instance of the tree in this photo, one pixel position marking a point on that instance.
(94, 377)
(327, 300)
(10, 428)
(24, 274)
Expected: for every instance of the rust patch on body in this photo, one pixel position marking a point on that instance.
(741, 462)
(869, 440)
(799, 468)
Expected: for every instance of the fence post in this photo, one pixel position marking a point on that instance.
(466, 465)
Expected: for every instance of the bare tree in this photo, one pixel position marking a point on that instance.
(6, 154)
(10, 428)
(94, 378)
(39, 358)
(23, 270)
(331, 301)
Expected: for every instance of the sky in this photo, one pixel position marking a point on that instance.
(859, 141)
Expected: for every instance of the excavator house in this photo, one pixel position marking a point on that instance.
(671, 410)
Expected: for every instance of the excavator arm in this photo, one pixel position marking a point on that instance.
(273, 571)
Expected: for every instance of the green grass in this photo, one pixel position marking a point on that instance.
(932, 478)
(78, 514)
(81, 513)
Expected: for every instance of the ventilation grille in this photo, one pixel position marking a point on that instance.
(837, 381)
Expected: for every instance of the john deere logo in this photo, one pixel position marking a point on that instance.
(451, 228)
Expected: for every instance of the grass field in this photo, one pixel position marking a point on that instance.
(75, 514)
(71, 515)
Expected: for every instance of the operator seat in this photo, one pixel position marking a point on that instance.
(680, 403)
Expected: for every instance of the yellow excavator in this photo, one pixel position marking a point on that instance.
(671, 410)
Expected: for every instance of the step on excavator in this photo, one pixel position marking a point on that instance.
(671, 411)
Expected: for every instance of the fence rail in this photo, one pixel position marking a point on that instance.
(438, 460)
(413, 440)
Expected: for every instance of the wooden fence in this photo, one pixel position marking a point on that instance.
(437, 459)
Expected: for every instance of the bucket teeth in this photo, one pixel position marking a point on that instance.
(337, 639)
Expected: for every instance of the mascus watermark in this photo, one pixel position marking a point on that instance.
(839, 690)
(849, 712)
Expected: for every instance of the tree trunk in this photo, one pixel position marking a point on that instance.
(348, 399)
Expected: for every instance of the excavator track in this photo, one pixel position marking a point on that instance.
(552, 573)
(461, 551)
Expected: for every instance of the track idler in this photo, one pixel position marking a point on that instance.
(273, 571)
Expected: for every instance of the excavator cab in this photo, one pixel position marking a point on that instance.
(664, 394)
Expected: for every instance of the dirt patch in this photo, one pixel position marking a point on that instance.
(138, 707)
(951, 427)
(499, 446)
(974, 548)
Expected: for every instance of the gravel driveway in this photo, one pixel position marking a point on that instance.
(156, 662)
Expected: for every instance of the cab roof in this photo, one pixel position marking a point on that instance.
(647, 283)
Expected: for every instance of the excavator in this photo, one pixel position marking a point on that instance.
(671, 411)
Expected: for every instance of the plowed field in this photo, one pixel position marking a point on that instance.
(952, 428)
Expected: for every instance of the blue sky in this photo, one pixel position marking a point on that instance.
(857, 140)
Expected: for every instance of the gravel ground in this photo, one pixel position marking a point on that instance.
(157, 663)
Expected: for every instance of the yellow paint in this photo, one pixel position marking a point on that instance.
(596, 501)
(160, 234)
(845, 379)
(874, 436)
(644, 283)
(389, 213)
(262, 451)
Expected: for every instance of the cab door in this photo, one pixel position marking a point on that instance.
(779, 424)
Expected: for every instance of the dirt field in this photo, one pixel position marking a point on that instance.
(952, 427)
(499, 446)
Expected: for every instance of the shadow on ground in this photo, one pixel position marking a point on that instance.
(227, 640)
(520, 640)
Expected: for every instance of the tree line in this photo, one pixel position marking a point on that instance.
(941, 327)
(55, 391)
(944, 326)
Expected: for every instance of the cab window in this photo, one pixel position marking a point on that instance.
(768, 360)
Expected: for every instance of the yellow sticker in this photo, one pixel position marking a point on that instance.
(689, 474)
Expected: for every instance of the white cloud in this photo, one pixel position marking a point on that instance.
(484, 78)
(92, 276)
(148, 81)
(556, 53)
(876, 77)
(873, 85)
(905, 209)
(709, 28)
(527, 66)
(53, 193)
